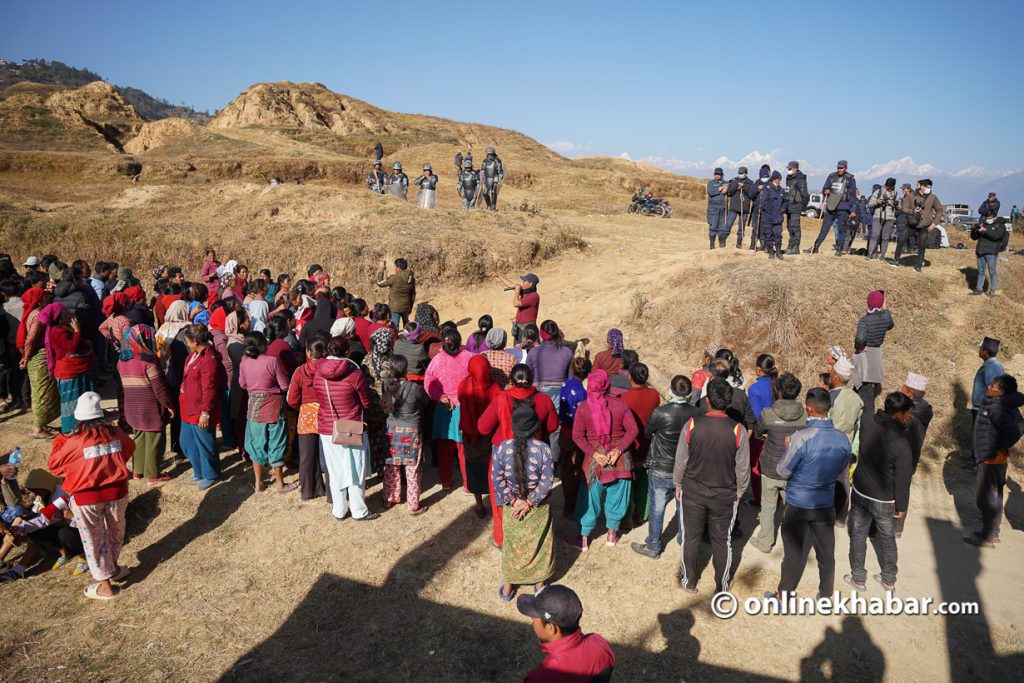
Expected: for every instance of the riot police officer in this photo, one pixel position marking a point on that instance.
(377, 180)
(492, 173)
(469, 184)
(398, 183)
(426, 198)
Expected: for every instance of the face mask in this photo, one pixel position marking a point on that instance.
(927, 190)
(792, 172)
(743, 175)
(990, 221)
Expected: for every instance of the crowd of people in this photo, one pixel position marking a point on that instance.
(304, 374)
(885, 215)
(475, 186)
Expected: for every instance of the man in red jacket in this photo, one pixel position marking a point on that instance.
(571, 655)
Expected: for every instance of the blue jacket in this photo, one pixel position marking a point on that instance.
(988, 371)
(755, 196)
(833, 182)
(817, 456)
(716, 199)
(760, 395)
(773, 204)
(569, 398)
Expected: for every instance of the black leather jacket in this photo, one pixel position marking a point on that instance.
(663, 429)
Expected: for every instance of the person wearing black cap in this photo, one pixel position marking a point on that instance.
(716, 208)
(840, 190)
(522, 472)
(923, 211)
(772, 209)
(797, 196)
(570, 654)
(755, 190)
(739, 204)
(989, 207)
(885, 205)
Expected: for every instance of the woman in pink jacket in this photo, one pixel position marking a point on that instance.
(441, 382)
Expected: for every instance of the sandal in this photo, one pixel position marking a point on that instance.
(506, 597)
(91, 592)
(418, 511)
(61, 561)
(287, 487)
(81, 567)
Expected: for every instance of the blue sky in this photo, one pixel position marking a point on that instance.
(679, 82)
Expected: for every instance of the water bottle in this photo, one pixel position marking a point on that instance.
(15, 457)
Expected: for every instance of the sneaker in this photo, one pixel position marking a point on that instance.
(368, 517)
(979, 542)
(975, 292)
(61, 561)
(889, 588)
(153, 481)
(81, 567)
(645, 550)
(692, 590)
(577, 541)
(848, 578)
(612, 538)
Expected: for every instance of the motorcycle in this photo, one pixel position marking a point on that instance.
(651, 207)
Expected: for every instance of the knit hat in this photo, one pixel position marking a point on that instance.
(496, 338)
(916, 382)
(719, 171)
(88, 407)
(741, 170)
(765, 171)
(343, 327)
(793, 164)
(776, 175)
(876, 299)
(843, 368)
(524, 421)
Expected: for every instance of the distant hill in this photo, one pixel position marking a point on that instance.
(58, 73)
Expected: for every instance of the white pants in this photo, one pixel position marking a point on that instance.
(346, 468)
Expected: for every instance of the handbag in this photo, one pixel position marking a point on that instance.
(345, 432)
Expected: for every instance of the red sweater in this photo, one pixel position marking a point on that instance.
(74, 354)
(301, 391)
(497, 419)
(201, 387)
(93, 464)
(363, 331)
(642, 401)
(576, 658)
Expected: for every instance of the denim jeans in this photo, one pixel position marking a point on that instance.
(864, 513)
(837, 220)
(661, 490)
(988, 262)
(396, 317)
(200, 448)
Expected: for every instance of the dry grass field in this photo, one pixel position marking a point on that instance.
(230, 585)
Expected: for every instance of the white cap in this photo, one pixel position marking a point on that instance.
(843, 368)
(88, 407)
(343, 327)
(916, 382)
(31, 262)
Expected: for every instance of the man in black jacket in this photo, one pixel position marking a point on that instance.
(996, 430)
(711, 473)
(991, 236)
(797, 196)
(739, 204)
(881, 490)
(663, 429)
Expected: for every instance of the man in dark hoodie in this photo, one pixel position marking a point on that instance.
(797, 196)
(881, 490)
(773, 208)
(716, 208)
(401, 291)
(777, 423)
(754, 192)
(663, 429)
(739, 204)
(840, 190)
(989, 207)
(996, 431)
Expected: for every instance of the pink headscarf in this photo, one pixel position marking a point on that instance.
(48, 317)
(597, 401)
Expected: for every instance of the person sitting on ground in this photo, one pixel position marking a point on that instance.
(570, 655)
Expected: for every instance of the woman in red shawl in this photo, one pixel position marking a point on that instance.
(476, 392)
(604, 430)
(497, 421)
(69, 359)
(31, 343)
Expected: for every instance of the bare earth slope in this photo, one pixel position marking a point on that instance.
(231, 585)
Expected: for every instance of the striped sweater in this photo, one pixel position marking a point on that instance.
(146, 397)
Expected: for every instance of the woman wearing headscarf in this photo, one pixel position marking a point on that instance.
(172, 350)
(441, 382)
(343, 394)
(302, 398)
(501, 360)
(610, 360)
(323, 318)
(867, 349)
(476, 392)
(69, 359)
(497, 422)
(236, 326)
(147, 401)
(345, 328)
(200, 406)
(266, 434)
(523, 475)
(381, 342)
(114, 327)
(31, 340)
(92, 461)
(405, 403)
(604, 429)
(429, 321)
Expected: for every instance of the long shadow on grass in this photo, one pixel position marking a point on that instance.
(216, 505)
(347, 630)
